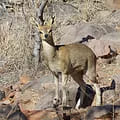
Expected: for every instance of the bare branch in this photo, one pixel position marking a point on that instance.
(37, 46)
(41, 10)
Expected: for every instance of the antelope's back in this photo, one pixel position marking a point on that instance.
(79, 55)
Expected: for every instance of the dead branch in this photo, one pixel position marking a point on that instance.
(41, 10)
(37, 46)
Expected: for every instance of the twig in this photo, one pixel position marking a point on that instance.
(41, 10)
(37, 46)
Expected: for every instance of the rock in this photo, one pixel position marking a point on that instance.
(99, 47)
(118, 28)
(63, 10)
(118, 59)
(114, 4)
(112, 20)
(28, 99)
(17, 2)
(24, 79)
(102, 112)
(108, 93)
(112, 37)
(79, 32)
(99, 112)
(113, 40)
(112, 96)
(103, 14)
(4, 110)
(47, 96)
(89, 34)
(11, 112)
(2, 95)
(42, 98)
(45, 101)
(42, 115)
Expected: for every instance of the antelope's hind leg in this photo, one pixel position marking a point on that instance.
(78, 77)
(91, 74)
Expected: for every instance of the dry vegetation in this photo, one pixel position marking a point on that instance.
(17, 41)
(17, 34)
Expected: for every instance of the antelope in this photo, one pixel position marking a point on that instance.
(74, 59)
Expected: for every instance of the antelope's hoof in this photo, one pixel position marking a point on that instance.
(56, 102)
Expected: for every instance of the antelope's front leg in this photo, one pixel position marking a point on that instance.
(56, 100)
(64, 89)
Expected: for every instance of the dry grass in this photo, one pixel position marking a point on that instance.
(17, 41)
(90, 8)
(16, 45)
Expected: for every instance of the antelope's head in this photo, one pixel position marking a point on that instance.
(45, 31)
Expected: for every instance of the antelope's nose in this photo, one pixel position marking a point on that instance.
(46, 35)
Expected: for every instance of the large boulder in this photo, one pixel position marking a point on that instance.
(113, 40)
(114, 4)
(64, 13)
(97, 112)
(108, 44)
(11, 112)
(39, 94)
(100, 48)
(81, 32)
(111, 20)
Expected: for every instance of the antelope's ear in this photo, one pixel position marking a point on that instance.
(51, 21)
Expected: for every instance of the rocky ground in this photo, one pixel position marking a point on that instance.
(94, 23)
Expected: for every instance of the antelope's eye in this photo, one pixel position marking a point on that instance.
(40, 32)
(50, 30)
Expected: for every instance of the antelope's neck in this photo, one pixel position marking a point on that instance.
(49, 50)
